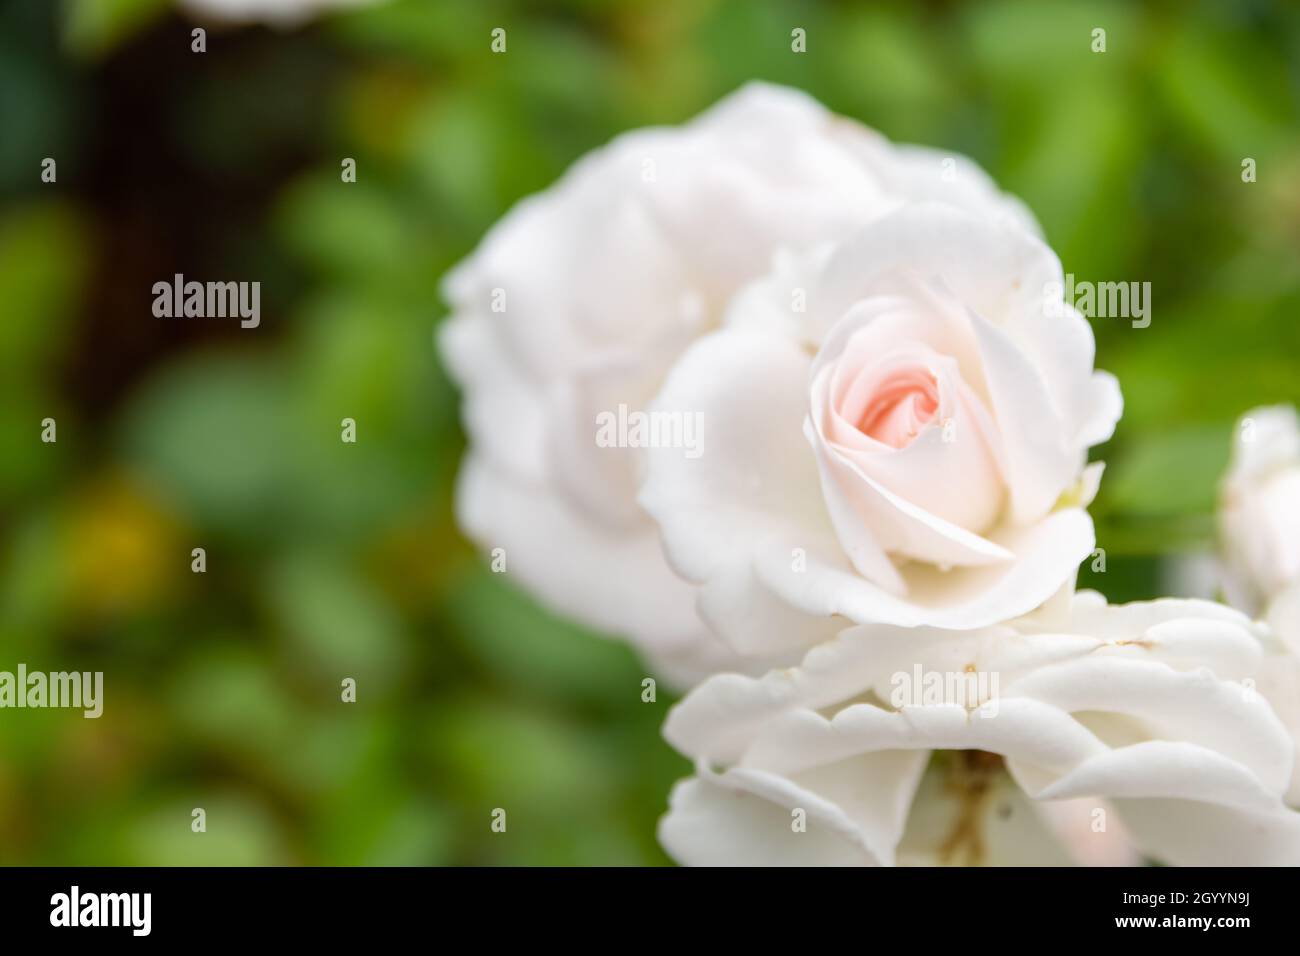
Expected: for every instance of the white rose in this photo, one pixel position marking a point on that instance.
(909, 449)
(1259, 528)
(599, 284)
(1259, 508)
(281, 13)
(1114, 732)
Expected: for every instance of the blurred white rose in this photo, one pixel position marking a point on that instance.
(1259, 531)
(575, 306)
(1116, 733)
(281, 13)
(906, 448)
(1259, 508)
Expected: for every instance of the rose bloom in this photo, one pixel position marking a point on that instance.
(896, 431)
(1117, 733)
(1259, 509)
(1259, 528)
(582, 298)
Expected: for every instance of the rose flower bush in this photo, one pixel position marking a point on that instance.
(890, 480)
(583, 297)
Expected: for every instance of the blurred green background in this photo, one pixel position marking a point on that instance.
(328, 560)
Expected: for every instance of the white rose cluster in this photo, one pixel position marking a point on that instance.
(792, 409)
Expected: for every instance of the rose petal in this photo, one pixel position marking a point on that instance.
(557, 555)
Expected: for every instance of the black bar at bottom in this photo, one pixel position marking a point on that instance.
(335, 906)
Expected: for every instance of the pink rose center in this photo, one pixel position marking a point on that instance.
(901, 405)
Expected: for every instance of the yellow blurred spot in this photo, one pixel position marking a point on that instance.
(123, 549)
